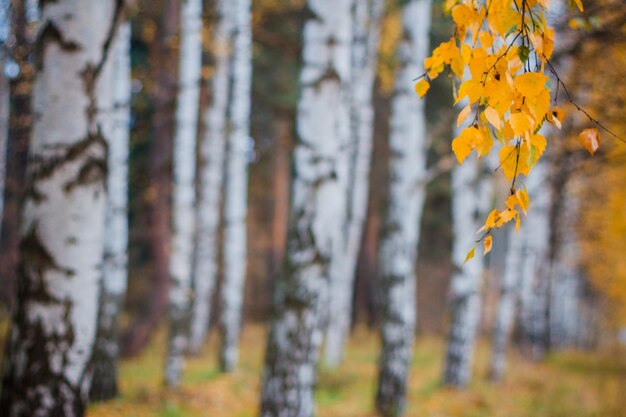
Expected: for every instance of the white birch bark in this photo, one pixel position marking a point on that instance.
(367, 15)
(115, 266)
(467, 278)
(212, 150)
(236, 187)
(407, 193)
(318, 199)
(183, 201)
(5, 25)
(54, 326)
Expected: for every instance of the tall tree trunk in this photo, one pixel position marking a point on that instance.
(534, 288)
(183, 192)
(236, 187)
(115, 266)
(467, 278)
(20, 123)
(398, 251)
(163, 63)
(319, 178)
(53, 329)
(366, 15)
(212, 149)
(5, 30)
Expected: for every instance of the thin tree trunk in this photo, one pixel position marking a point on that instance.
(20, 123)
(236, 187)
(115, 267)
(212, 149)
(53, 329)
(5, 103)
(398, 251)
(183, 193)
(366, 15)
(319, 179)
(467, 279)
(162, 61)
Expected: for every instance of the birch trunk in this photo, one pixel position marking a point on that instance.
(5, 29)
(183, 198)
(212, 149)
(534, 269)
(53, 329)
(236, 187)
(115, 266)
(407, 142)
(319, 178)
(367, 15)
(466, 280)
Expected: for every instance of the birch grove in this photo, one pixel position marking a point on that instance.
(184, 171)
(53, 328)
(212, 150)
(236, 185)
(366, 27)
(115, 263)
(318, 182)
(407, 193)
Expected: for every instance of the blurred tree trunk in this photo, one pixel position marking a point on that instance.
(115, 267)
(236, 186)
(314, 233)
(280, 190)
(367, 15)
(366, 291)
(212, 149)
(5, 103)
(163, 63)
(534, 287)
(467, 278)
(53, 328)
(20, 121)
(407, 193)
(183, 192)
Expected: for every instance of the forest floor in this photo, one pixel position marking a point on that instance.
(568, 384)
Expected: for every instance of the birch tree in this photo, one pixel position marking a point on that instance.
(184, 170)
(407, 193)
(318, 182)
(236, 187)
(53, 327)
(212, 151)
(526, 251)
(467, 278)
(366, 27)
(115, 266)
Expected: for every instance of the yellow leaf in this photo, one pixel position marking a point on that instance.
(469, 255)
(507, 215)
(530, 84)
(463, 115)
(555, 117)
(590, 139)
(579, 4)
(493, 117)
(463, 145)
(521, 123)
(523, 200)
(422, 87)
(488, 243)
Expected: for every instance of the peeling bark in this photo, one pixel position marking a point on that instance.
(314, 232)
(401, 230)
(53, 328)
(366, 28)
(115, 267)
(183, 197)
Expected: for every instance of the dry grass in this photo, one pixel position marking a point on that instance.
(569, 384)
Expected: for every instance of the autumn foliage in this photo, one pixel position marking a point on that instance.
(499, 58)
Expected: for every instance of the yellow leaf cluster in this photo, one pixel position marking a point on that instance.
(499, 56)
